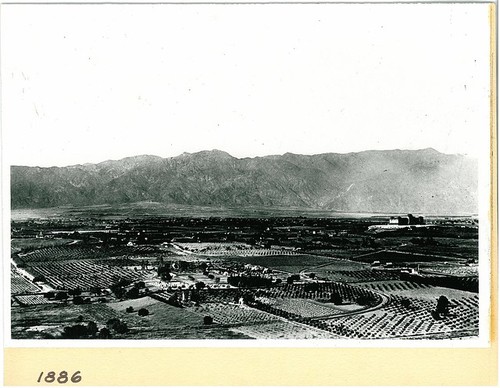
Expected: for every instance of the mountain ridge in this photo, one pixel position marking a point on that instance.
(215, 150)
(420, 181)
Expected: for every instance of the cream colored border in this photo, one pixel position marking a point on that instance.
(261, 367)
(280, 366)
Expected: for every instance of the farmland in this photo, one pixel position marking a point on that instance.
(20, 244)
(105, 277)
(19, 284)
(83, 274)
(287, 263)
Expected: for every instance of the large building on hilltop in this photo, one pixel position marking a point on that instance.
(408, 220)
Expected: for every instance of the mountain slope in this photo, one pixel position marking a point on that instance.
(422, 181)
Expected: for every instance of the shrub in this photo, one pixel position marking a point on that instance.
(311, 287)
(121, 327)
(95, 291)
(74, 332)
(116, 325)
(75, 292)
(112, 322)
(133, 293)
(92, 328)
(143, 312)
(199, 285)
(104, 333)
(249, 281)
(443, 305)
(119, 292)
(336, 298)
(208, 320)
(405, 303)
(364, 300)
(61, 295)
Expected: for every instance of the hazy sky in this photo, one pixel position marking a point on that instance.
(91, 83)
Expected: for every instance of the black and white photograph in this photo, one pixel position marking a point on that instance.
(308, 174)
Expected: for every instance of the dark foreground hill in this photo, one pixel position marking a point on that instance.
(397, 181)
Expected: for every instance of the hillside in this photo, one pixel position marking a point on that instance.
(396, 181)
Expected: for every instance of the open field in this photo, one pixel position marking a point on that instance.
(173, 322)
(234, 314)
(451, 269)
(303, 307)
(386, 256)
(48, 321)
(283, 330)
(290, 264)
(25, 321)
(459, 248)
(357, 276)
(28, 244)
(230, 249)
(155, 209)
(79, 252)
(410, 289)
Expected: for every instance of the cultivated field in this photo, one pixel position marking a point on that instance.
(283, 330)
(31, 300)
(79, 252)
(233, 314)
(29, 244)
(287, 263)
(20, 285)
(387, 256)
(84, 274)
(296, 277)
(413, 319)
(172, 322)
(303, 307)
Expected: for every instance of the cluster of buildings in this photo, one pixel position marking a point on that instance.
(408, 220)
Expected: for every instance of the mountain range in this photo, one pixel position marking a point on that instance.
(395, 181)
